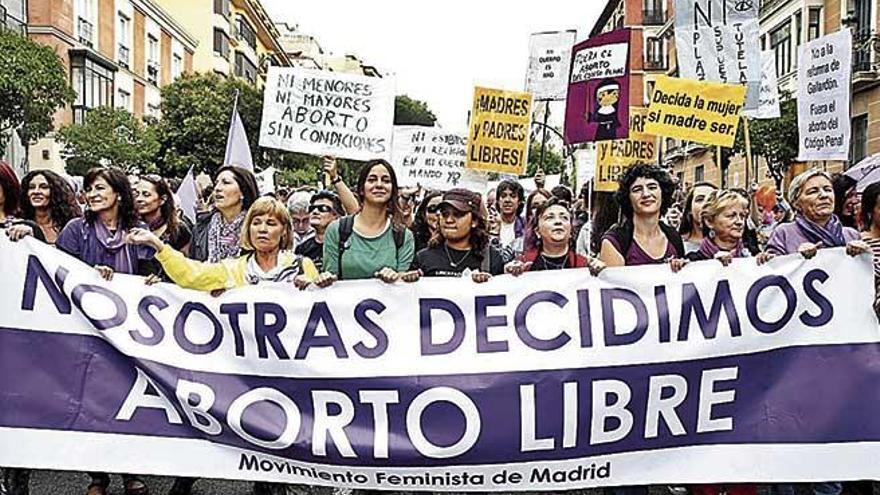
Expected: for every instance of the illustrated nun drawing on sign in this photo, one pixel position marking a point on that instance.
(604, 114)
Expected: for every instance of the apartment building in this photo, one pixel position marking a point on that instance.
(117, 52)
(236, 37)
(13, 17)
(303, 50)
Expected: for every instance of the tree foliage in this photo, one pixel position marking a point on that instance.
(33, 85)
(553, 161)
(110, 136)
(776, 140)
(409, 111)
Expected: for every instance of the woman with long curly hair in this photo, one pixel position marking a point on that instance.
(48, 200)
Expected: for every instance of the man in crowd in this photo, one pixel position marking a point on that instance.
(298, 205)
(324, 208)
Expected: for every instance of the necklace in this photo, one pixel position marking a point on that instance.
(554, 265)
(454, 264)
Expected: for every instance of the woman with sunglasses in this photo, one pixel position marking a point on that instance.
(461, 245)
(427, 220)
(324, 208)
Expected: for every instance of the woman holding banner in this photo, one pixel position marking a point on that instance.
(373, 243)
(644, 195)
(48, 200)
(216, 233)
(691, 227)
(156, 207)
(724, 215)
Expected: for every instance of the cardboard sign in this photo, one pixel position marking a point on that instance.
(824, 89)
(614, 157)
(598, 93)
(498, 139)
(701, 112)
(549, 64)
(768, 102)
(718, 41)
(328, 113)
(434, 159)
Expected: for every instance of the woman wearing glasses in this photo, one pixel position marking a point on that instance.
(427, 221)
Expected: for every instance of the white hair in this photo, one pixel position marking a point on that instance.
(299, 202)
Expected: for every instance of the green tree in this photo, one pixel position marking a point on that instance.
(33, 85)
(409, 111)
(113, 136)
(553, 161)
(776, 140)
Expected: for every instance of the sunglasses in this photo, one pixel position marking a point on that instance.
(408, 198)
(320, 208)
(433, 210)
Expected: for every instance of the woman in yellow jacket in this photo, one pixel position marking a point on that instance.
(266, 238)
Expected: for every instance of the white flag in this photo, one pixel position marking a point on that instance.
(266, 181)
(238, 151)
(188, 194)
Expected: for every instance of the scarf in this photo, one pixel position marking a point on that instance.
(831, 235)
(113, 244)
(708, 249)
(223, 238)
(281, 273)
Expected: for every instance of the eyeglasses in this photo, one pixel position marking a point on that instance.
(433, 210)
(320, 208)
(406, 198)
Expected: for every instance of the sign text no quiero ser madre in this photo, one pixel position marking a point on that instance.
(328, 113)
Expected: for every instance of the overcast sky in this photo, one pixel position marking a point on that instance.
(438, 51)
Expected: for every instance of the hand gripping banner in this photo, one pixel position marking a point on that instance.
(551, 381)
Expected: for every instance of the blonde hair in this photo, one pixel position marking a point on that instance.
(268, 206)
(797, 184)
(716, 202)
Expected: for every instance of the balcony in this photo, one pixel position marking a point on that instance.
(153, 71)
(86, 32)
(653, 17)
(659, 65)
(11, 23)
(866, 59)
(124, 56)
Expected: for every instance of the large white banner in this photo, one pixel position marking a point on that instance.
(824, 89)
(434, 159)
(549, 64)
(768, 102)
(719, 41)
(555, 380)
(328, 113)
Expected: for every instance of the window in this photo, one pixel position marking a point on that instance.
(654, 57)
(859, 143)
(245, 32)
(92, 82)
(780, 43)
(176, 66)
(153, 110)
(863, 36)
(123, 99)
(244, 68)
(699, 173)
(85, 22)
(814, 21)
(650, 93)
(221, 43)
(652, 13)
(221, 7)
(152, 59)
(798, 29)
(13, 15)
(124, 55)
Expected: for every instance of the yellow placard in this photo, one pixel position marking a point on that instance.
(702, 112)
(614, 157)
(498, 139)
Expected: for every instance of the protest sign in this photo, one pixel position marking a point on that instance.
(614, 157)
(598, 93)
(434, 159)
(552, 381)
(719, 41)
(768, 102)
(585, 163)
(266, 181)
(701, 112)
(498, 139)
(824, 89)
(328, 113)
(549, 64)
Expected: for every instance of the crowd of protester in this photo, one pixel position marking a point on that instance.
(376, 229)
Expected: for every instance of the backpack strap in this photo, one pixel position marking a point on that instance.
(346, 227)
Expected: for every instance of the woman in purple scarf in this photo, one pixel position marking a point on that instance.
(98, 239)
(723, 217)
(815, 226)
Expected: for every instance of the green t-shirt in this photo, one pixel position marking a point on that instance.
(365, 256)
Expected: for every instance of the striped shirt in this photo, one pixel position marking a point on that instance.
(875, 250)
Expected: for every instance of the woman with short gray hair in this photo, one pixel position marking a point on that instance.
(815, 226)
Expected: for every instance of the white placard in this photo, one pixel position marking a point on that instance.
(549, 64)
(434, 159)
(328, 113)
(586, 160)
(824, 89)
(718, 41)
(768, 102)
(607, 61)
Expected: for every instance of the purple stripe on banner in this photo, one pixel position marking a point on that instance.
(816, 394)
